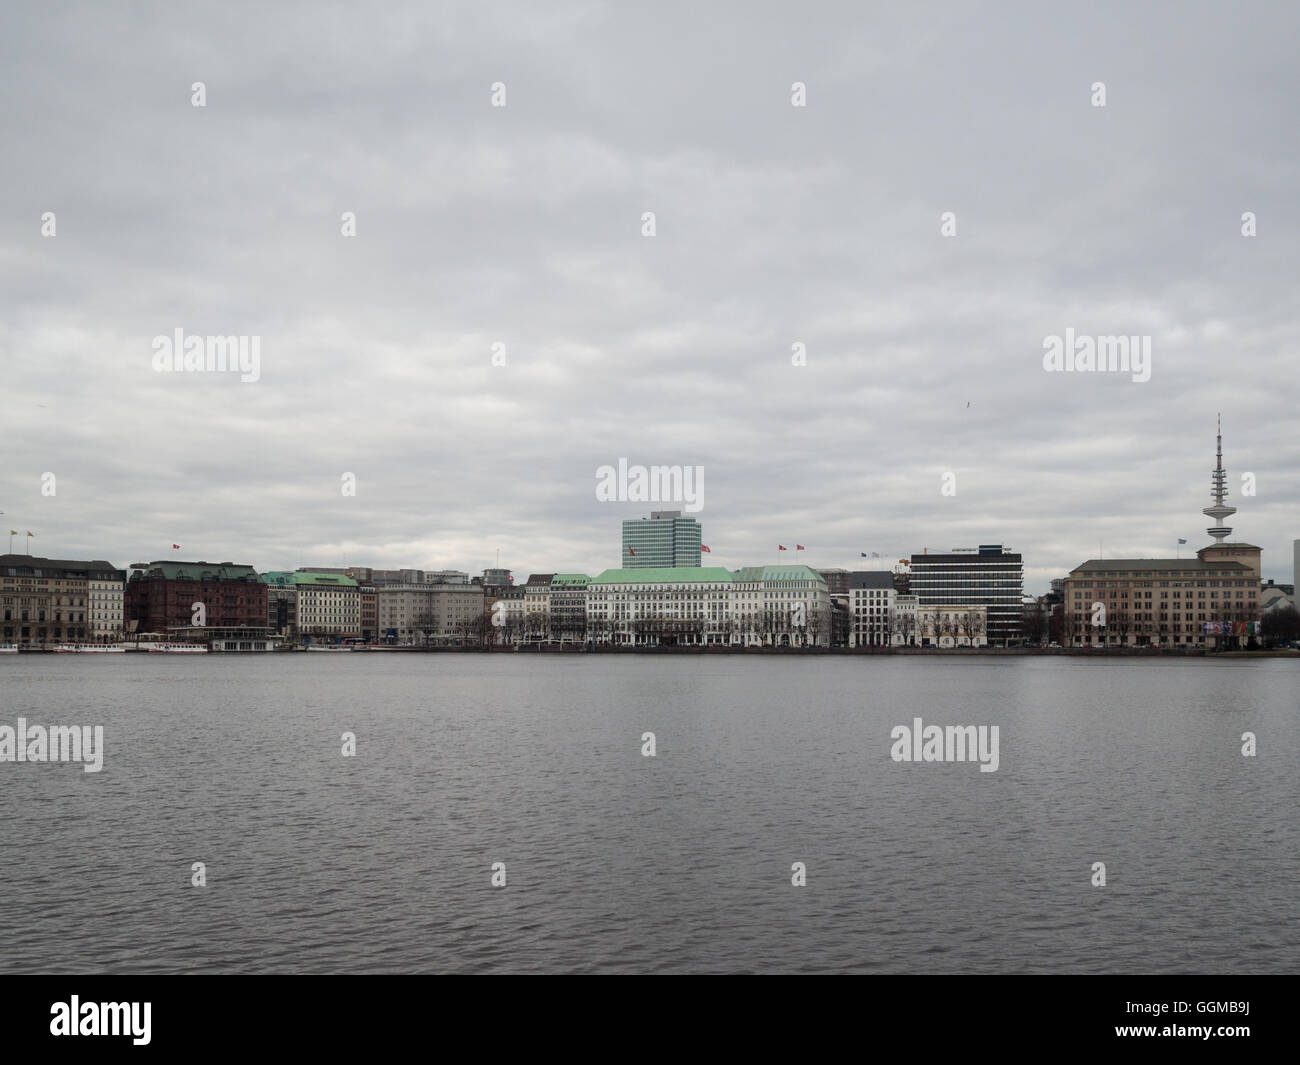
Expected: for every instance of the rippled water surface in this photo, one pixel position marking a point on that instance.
(681, 862)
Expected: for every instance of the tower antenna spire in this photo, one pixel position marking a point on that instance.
(1219, 491)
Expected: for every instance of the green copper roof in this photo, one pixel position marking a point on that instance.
(779, 573)
(666, 575)
(198, 571)
(336, 580)
(277, 577)
(570, 579)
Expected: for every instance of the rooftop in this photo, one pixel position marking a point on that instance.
(192, 571)
(1103, 565)
(665, 575)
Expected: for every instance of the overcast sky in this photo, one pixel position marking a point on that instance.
(522, 225)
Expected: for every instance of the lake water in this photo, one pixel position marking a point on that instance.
(682, 862)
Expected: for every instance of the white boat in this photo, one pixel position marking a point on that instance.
(89, 649)
(8, 648)
(177, 648)
(331, 647)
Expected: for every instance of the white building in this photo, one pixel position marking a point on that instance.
(952, 626)
(871, 602)
(794, 609)
(328, 605)
(105, 592)
(902, 621)
(686, 606)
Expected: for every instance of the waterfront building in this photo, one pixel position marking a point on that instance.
(328, 605)
(105, 602)
(162, 596)
(368, 599)
(566, 607)
(665, 540)
(47, 601)
(281, 602)
(903, 628)
(420, 613)
(951, 626)
(794, 607)
(686, 606)
(1211, 600)
(871, 601)
(989, 576)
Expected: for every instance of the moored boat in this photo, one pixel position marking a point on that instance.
(177, 649)
(89, 649)
(8, 648)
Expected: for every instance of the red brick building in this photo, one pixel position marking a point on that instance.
(161, 596)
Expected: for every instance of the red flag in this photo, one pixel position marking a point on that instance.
(176, 547)
(705, 547)
(798, 547)
(782, 547)
(631, 552)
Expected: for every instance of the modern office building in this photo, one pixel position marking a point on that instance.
(665, 540)
(162, 596)
(1205, 601)
(281, 602)
(989, 576)
(446, 576)
(871, 601)
(1275, 596)
(837, 581)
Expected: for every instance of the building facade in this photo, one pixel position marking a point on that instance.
(566, 595)
(665, 540)
(871, 603)
(989, 576)
(328, 605)
(106, 603)
(368, 598)
(45, 601)
(684, 606)
(163, 596)
(281, 602)
(1209, 601)
(423, 613)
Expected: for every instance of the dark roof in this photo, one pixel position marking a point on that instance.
(1095, 565)
(96, 566)
(873, 578)
(193, 571)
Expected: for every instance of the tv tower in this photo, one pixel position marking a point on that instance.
(1218, 492)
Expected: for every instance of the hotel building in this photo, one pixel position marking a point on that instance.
(1211, 600)
(328, 605)
(48, 601)
(161, 596)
